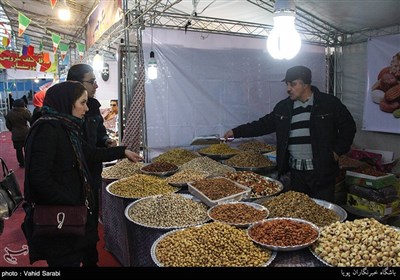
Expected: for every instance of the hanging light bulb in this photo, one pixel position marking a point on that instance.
(98, 62)
(64, 13)
(152, 67)
(36, 80)
(284, 41)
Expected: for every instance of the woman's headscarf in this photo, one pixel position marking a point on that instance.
(62, 96)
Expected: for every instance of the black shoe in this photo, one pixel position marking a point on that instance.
(22, 165)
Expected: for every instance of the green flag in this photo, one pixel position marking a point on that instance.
(63, 50)
(81, 50)
(41, 46)
(56, 40)
(23, 23)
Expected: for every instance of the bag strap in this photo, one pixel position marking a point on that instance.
(5, 168)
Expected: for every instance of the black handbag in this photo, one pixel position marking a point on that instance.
(10, 192)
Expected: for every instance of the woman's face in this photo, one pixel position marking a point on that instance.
(80, 107)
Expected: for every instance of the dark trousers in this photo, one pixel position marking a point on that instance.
(19, 147)
(307, 182)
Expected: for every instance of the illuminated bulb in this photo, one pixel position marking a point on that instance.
(284, 42)
(152, 67)
(98, 62)
(64, 13)
(36, 80)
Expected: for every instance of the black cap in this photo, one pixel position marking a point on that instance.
(298, 73)
(19, 103)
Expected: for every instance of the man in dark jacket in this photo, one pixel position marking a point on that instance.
(17, 121)
(95, 134)
(312, 130)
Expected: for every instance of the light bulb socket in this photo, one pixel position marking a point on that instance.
(151, 54)
(285, 6)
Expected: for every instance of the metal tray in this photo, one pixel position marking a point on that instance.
(243, 225)
(253, 198)
(336, 208)
(237, 196)
(113, 194)
(284, 248)
(321, 260)
(126, 212)
(160, 174)
(255, 169)
(217, 157)
(159, 264)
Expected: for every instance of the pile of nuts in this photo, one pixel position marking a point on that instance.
(122, 169)
(169, 210)
(237, 213)
(299, 205)
(283, 233)
(160, 167)
(359, 243)
(206, 164)
(217, 188)
(249, 159)
(140, 185)
(187, 175)
(176, 156)
(218, 149)
(213, 244)
(257, 146)
(260, 185)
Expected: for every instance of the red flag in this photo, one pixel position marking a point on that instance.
(31, 50)
(53, 3)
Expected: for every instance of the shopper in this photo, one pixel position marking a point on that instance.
(38, 103)
(17, 121)
(312, 129)
(56, 172)
(110, 115)
(94, 132)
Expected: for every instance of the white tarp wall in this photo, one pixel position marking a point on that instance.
(209, 83)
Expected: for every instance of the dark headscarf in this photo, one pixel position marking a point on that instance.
(62, 96)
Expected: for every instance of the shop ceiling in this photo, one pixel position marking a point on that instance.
(320, 22)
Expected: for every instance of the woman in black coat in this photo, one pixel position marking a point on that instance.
(56, 172)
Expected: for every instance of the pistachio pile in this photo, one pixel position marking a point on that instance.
(214, 244)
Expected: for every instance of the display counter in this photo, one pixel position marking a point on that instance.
(131, 243)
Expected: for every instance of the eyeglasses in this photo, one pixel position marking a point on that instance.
(113, 105)
(92, 82)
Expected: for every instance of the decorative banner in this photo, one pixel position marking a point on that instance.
(27, 39)
(46, 57)
(53, 3)
(5, 42)
(23, 23)
(12, 60)
(24, 50)
(81, 50)
(41, 46)
(56, 40)
(63, 50)
(31, 50)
